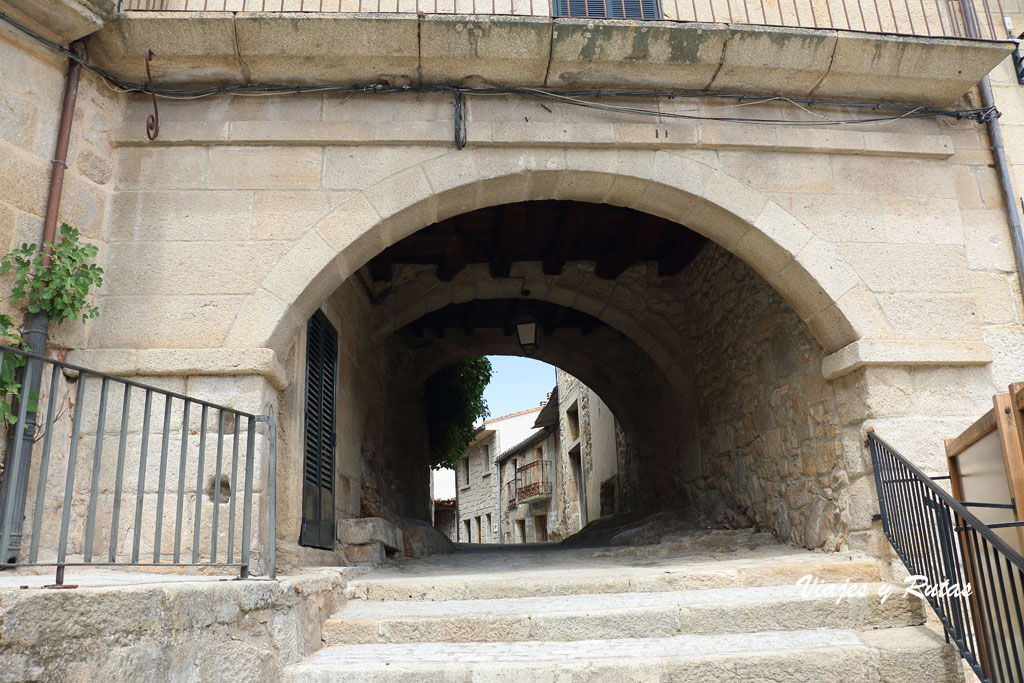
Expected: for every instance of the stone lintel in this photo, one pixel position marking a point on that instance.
(875, 352)
(519, 134)
(222, 48)
(183, 362)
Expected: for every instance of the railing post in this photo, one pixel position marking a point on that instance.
(875, 467)
(250, 456)
(271, 479)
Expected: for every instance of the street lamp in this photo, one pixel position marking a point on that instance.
(526, 332)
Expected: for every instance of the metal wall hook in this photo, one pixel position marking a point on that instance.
(153, 120)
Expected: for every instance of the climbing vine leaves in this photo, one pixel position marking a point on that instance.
(59, 289)
(454, 402)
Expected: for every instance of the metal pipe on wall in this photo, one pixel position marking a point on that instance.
(999, 154)
(1003, 171)
(36, 327)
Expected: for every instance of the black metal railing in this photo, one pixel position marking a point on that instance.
(207, 459)
(977, 19)
(511, 500)
(939, 539)
(533, 480)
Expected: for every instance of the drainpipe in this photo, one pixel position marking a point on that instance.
(1002, 169)
(36, 327)
(995, 138)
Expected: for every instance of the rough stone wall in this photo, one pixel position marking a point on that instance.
(446, 521)
(478, 494)
(600, 459)
(767, 422)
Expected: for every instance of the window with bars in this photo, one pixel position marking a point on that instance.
(610, 9)
(318, 458)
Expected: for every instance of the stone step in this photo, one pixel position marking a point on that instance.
(758, 570)
(899, 654)
(618, 615)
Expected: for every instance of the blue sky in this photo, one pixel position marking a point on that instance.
(516, 384)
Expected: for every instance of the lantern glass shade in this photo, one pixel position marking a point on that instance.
(527, 334)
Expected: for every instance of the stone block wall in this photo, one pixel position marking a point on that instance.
(31, 91)
(889, 244)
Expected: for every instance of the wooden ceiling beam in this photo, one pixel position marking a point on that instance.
(455, 260)
(633, 244)
(552, 321)
(471, 314)
(508, 226)
(572, 220)
(681, 253)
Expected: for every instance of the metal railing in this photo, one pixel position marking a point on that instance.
(176, 484)
(938, 538)
(533, 480)
(511, 501)
(977, 19)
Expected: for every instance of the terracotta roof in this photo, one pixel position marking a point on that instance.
(505, 417)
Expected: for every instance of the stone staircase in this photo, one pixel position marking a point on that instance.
(739, 617)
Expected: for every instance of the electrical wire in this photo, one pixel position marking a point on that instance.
(568, 97)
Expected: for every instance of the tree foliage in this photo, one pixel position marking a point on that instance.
(454, 401)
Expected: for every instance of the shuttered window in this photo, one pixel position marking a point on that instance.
(611, 9)
(318, 462)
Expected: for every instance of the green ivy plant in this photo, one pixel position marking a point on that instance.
(60, 289)
(454, 400)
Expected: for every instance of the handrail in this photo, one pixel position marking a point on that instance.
(939, 539)
(171, 490)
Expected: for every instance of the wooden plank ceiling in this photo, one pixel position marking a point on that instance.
(501, 314)
(553, 232)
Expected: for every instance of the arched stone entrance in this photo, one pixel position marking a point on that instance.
(714, 375)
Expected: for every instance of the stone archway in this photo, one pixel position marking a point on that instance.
(804, 269)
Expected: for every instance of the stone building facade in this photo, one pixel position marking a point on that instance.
(568, 472)
(853, 277)
(527, 476)
(477, 483)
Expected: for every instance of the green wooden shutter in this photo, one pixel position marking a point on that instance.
(318, 458)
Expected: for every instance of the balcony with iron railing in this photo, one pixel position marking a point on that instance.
(907, 53)
(981, 19)
(511, 498)
(533, 481)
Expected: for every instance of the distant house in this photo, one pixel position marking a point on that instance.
(476, 487)
(446, 517)
(557, 468)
